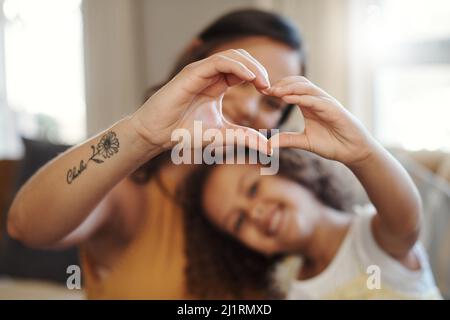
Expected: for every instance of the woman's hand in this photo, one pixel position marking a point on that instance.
(330, 130)
(195, 94)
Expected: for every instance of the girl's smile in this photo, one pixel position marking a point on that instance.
(270, 214)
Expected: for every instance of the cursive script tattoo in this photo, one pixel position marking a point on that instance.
(106, 148)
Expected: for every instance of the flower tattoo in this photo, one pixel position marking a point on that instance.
(106, 148)
(109, 145)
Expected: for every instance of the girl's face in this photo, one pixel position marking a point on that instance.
(244, 105)
(269, 214)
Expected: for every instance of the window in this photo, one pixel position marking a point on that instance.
(407, 46)
(43, 48)
(413, 106)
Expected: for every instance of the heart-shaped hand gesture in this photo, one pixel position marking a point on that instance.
(330, 131)
(196, 94)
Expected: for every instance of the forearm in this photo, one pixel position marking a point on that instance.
(60, 196)
(391, 191)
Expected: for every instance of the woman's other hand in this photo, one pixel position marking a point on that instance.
(330, 131)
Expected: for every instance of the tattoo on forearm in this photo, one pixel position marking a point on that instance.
(106, 148)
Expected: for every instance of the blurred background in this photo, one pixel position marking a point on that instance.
(70, 68)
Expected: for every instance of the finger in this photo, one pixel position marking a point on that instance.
(206, 75)
(288, 80)
(298, 88)
(262, 79)
(220, 64)
(232, 80)
(248, 137)
(314, 103)
(261, 67)
(316, 108)
(290, 140)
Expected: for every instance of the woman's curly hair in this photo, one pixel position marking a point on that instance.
(219, 266)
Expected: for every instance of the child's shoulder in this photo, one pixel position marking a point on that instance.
(359, 258)
(373, 259)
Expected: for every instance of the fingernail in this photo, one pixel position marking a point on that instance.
(251, 74)
(266, 91)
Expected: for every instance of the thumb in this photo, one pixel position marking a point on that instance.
(246, 137)
(290, 140)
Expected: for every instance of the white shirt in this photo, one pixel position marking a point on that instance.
(362, 270)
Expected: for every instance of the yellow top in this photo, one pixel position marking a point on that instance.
(152, 267)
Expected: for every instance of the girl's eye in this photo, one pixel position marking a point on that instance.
(253, 189)
(239, 221)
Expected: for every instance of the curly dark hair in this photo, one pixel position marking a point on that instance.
(219, 266)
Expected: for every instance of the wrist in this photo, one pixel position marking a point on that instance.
(144, 147)
(374, 152)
